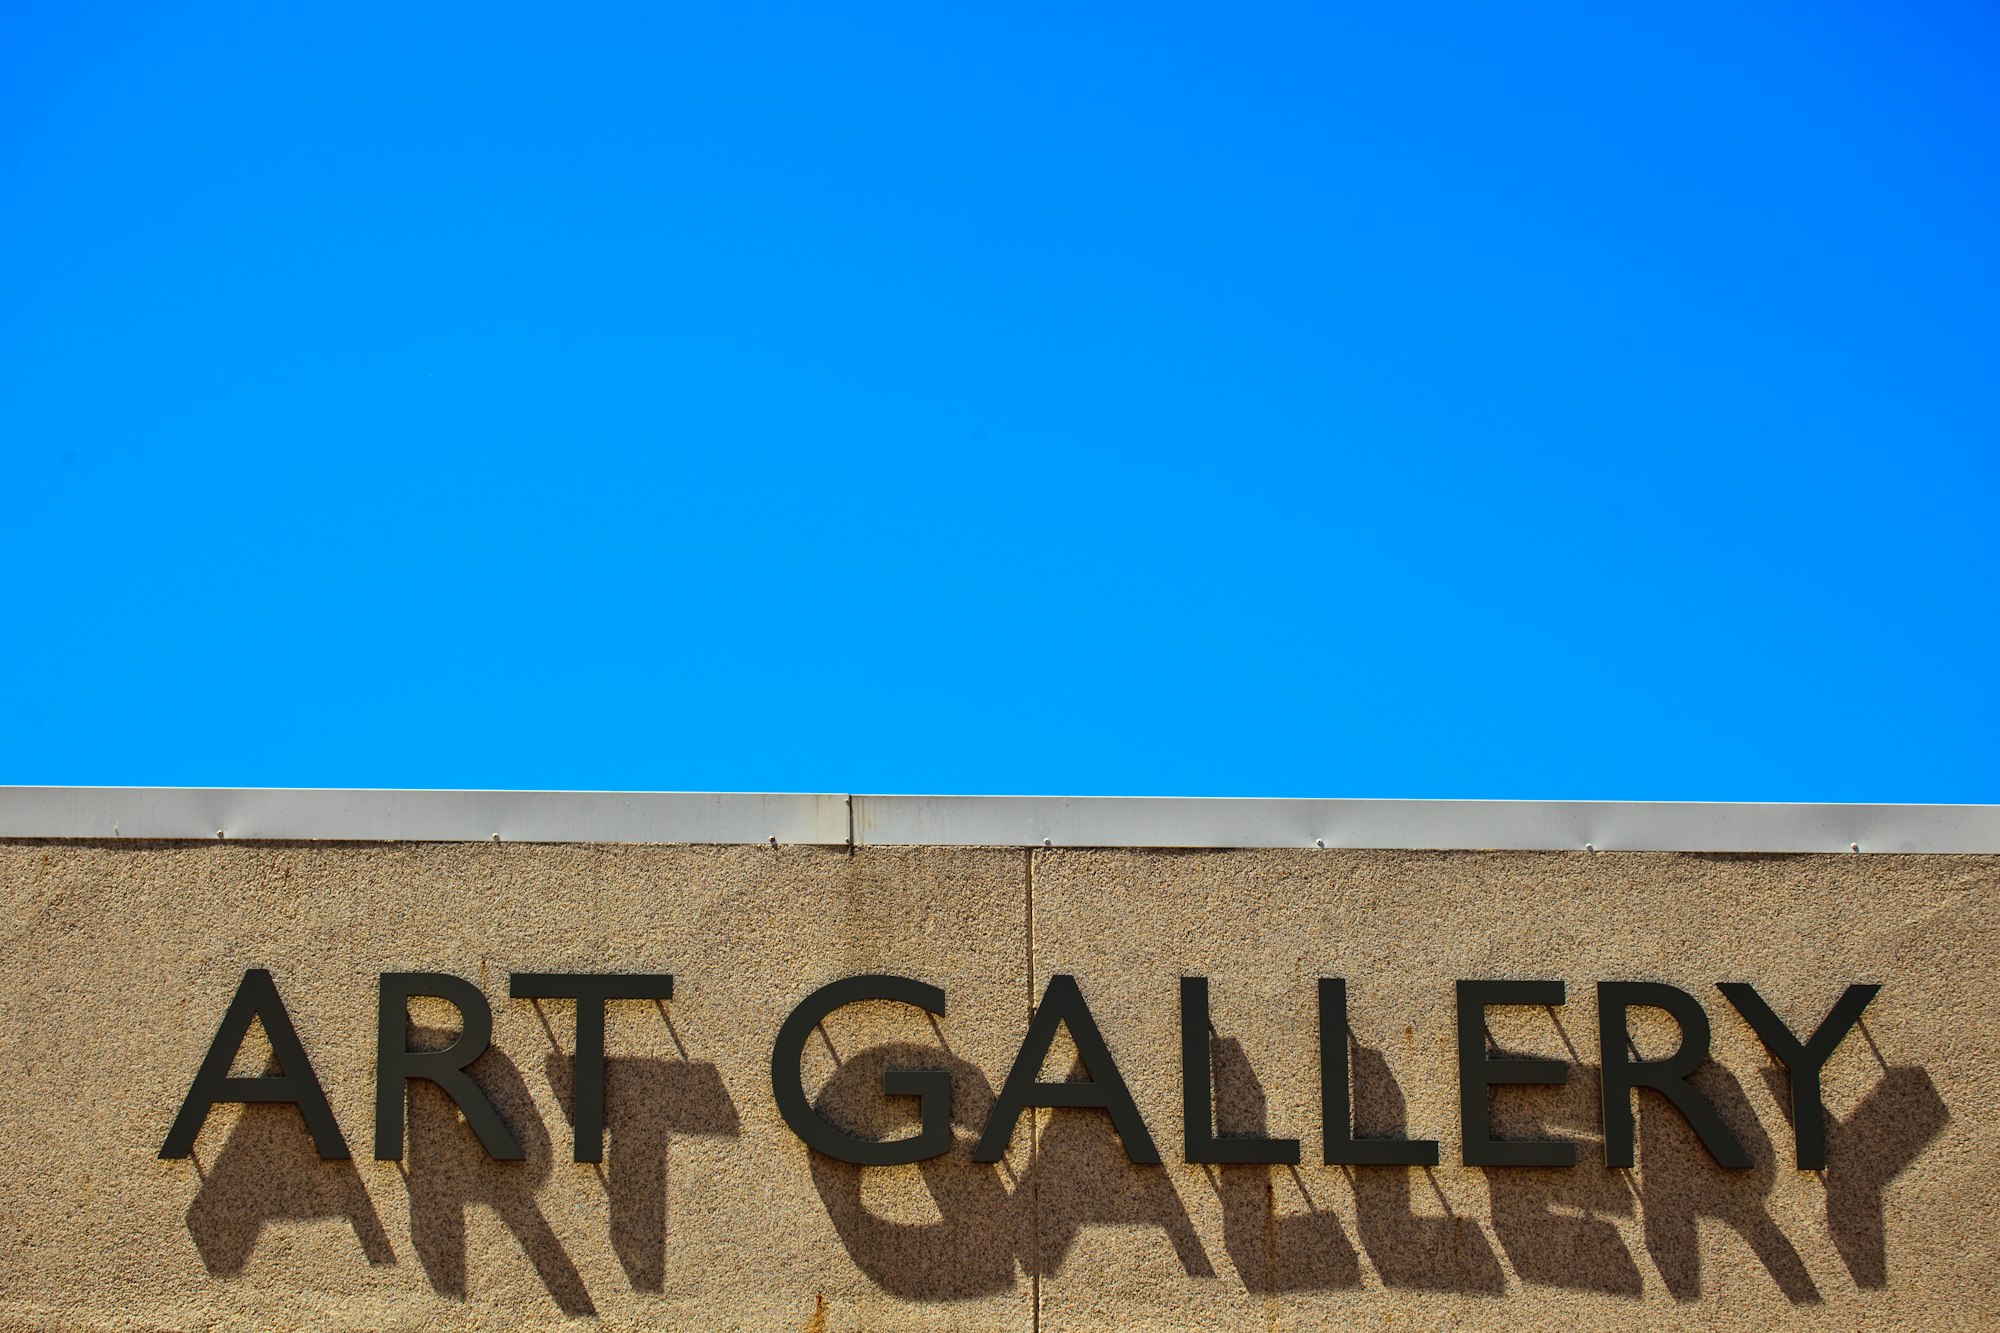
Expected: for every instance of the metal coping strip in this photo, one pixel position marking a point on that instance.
(988, 821)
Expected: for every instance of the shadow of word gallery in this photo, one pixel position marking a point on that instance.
(1691, 1100)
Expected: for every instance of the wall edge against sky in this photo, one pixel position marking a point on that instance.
(826, 819)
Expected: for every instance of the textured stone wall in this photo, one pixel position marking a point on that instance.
(709, 1213)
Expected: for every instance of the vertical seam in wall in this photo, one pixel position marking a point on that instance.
(1034, 1126)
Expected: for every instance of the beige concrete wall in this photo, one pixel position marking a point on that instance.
(708, 1213)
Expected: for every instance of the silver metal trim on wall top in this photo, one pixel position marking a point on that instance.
(1442, 825)
(988, 821)
(419, 816)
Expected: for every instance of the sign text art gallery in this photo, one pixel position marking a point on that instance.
(1481, 1070)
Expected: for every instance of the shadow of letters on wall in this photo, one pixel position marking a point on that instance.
(1430, 1252)
(1578, 1247)
(268, 1171)
(1877, 1142)
(646, 1103)
(1276, 1234)
(450, 1171)
(1082, 1177)
(970, 1247)
(951, 1226)
(1679, 1185)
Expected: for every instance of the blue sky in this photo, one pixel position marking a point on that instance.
(1548, 402)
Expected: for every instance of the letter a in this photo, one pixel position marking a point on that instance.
(256, 998)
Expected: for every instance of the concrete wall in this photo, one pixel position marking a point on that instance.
(708, 1213)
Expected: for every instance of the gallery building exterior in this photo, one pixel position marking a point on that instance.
(388, 1060)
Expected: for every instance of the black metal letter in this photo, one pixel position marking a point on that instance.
(590, 990)
(931, 1087)
(1622, 1073)
(1477, 1073)
(396, 1063)
(1802, 1062)
(1062, 1006)
(256, 997)
(1198, 1094)
(1338, 1143)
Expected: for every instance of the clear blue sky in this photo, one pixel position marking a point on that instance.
(1520, 401)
